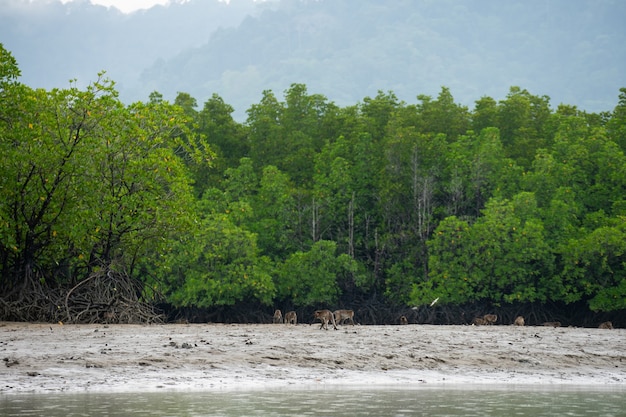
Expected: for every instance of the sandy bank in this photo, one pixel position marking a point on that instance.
(55, 358)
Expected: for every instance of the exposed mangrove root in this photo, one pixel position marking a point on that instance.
(105, 296)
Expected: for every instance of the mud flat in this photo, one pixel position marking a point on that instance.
(126, 358)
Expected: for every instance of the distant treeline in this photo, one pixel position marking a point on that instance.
(106, 206)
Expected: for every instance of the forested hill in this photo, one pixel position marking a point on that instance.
(571, 51)
(346, 49)
(56, 42)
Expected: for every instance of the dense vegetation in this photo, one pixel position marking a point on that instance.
(108, 210)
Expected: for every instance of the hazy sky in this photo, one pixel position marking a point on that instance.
(127, 6)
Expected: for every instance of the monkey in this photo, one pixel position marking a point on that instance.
(325, 316)
(519, 321)
(479, 321)
(291, 317)
(490, 318)
(278, 317)
(606, 325)
(342, 315)
(403, 320)
(110, 317)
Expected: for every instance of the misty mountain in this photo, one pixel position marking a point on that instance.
(55, 42)
(346, 50)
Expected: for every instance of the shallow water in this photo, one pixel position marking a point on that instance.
(507, 401)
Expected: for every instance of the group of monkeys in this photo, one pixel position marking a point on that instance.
(488, 319)
(340, 317)
(519, 321)
(324, 316)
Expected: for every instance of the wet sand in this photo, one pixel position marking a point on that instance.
(201, 357)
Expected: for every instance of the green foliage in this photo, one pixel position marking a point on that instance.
(310, 278)
(274, 209)
(288, 134)
(217, 264)
(522, 119)
(224, 136)
(485, 114)
(595, 268)
(502, 257)
(617, 124)
(449, 260)
(378, 111)
(442, 115)
(51, 151)
(309, 203)
(241, 182)
(9, 70)
(89, 183)
(402, 278)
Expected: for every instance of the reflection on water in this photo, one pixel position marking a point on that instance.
(430, 401)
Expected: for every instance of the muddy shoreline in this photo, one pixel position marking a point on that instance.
(50, 358)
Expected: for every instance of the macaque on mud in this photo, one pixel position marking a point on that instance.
(343, 315)
(278, 317)
(325, 316)
(606, 325)
(291, 317)
(490, 318)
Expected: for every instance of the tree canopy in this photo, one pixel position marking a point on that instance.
(307, 203)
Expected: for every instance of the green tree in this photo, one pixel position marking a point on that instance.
(266, 135)
(476, 170)
(378, 111)
(225, 136)
(9, 69)
(144, 189)
(89, 183)
(485, 114)
(310, 278)
(591, 165)
(49, 146)
(513, 262)
(409, 188)
(522, 120)
(274, 214)
(595, 268)
(442, 115)
(188, 104)
(287, 135)
(450, 265)
(502, 257)
(217, 263)
(617, 123)
(333, 191)
(241, 182)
